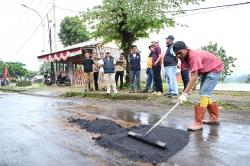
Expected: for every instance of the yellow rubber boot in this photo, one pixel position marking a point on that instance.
(204, 100)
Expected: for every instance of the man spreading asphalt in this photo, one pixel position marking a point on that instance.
(209, 67)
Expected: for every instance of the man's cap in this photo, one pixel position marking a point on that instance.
(179, 45)
(171, 37)
(154, 40)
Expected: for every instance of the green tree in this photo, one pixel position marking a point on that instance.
(32, 73)
(44, 67)
(221, 53)
(125, 21)
(17, 69)
(248, 79)
(2, 64)
(73, 31)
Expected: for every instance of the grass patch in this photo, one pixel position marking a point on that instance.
(229, 105)
(105, 96)
(19, 89)
(11, 89)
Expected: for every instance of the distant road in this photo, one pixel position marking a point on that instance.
(233, 87)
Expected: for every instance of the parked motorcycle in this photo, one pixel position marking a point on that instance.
(48, 80)
(63, 80)
(4, 82)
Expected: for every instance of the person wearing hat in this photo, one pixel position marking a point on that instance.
(170, 62)
(209, 68)
(157, 60)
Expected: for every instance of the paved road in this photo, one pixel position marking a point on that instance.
(31, 135)
(34, 131)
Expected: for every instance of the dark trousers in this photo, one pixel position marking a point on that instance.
(185, 78)
(157, 78)
(117, 75)
(96, 80)
(150, 79)
(135, 74)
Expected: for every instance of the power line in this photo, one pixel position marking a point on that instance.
(30, 25)
(219, 6)
(62, 8)
(191, 14)
(36, 7)
(25, 42)
(24, 13)
(210, 7)
(46, 7)
(185, 10)
(28, 39)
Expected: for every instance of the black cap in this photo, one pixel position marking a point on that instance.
(179, 45)
(171, 37)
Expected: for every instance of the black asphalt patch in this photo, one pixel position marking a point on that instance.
(133, 149)
(102, 126)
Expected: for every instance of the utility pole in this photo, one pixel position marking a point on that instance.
(54, 26)
(50, 46)
(49, 29)
(54, 67)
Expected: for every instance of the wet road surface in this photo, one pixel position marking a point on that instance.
(35, 131)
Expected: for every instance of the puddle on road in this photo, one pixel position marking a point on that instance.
(136, 117)
(115, 137)
(125, 114)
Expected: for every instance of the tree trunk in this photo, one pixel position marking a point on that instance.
(126, 49)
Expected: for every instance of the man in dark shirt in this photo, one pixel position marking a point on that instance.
(170, 62)
(135, 69)
(88, 72)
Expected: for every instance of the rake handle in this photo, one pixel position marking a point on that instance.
(157, 123)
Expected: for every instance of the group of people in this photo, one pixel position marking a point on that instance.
(103, 72)
(170, 63)
(193, 64)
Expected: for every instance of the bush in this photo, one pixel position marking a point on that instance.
(23, 83)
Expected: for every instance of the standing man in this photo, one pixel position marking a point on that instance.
(157, 60)
(209, 67)
(96, 71)
(109, 72)
(149, 71)
(101, 80)
(88, 65)
(120, 67)
(135, 69)
(170, 64)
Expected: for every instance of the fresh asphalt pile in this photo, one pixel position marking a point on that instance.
(115, 137)
(102, 126)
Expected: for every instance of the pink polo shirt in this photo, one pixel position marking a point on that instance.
(203, 62)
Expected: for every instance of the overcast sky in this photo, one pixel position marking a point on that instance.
(229, 27)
